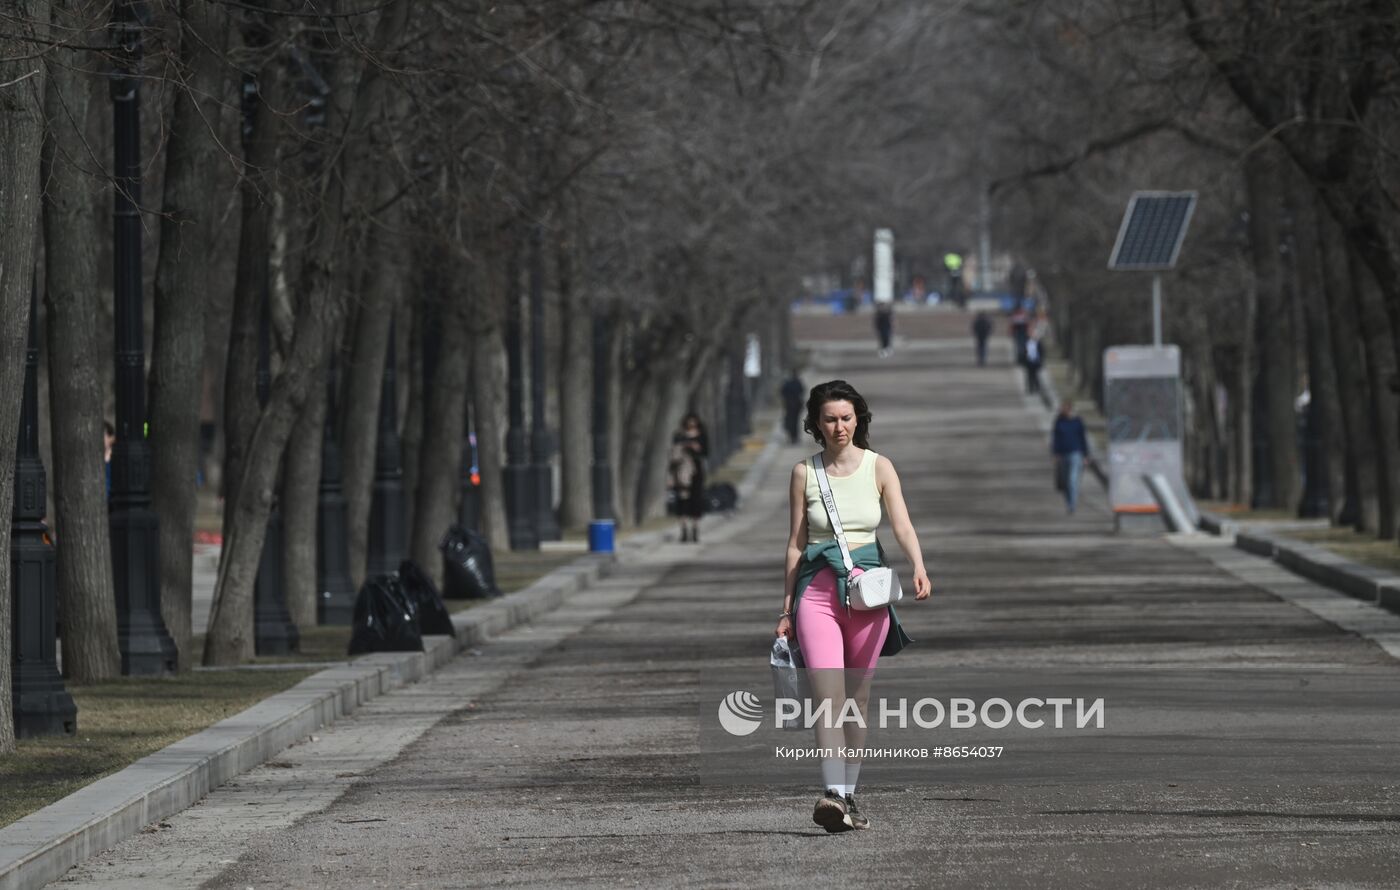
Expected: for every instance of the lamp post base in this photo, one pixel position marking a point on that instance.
(146, 647)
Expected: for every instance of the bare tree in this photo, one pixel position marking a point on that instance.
(87, 609)
(192, 206)
(22, 81)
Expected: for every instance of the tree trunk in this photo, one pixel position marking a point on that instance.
(251, 287)
(230, 638)
(1353, 387)
(575, 398)
(412, 385)
(489, 413)
(1277, 365)
(21, 141)
(1322, 370)
(651, 469)
(1380, 367)
(643, 399)
(363, 388)
(301, 486)
(87, 610)
(439, 465)
(191, 207)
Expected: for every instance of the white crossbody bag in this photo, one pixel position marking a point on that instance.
(873, 588)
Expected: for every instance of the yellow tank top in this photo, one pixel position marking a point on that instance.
(857, 503)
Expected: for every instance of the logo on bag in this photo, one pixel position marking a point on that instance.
(740, 713)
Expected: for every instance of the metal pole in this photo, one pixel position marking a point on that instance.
(388, 539)
(519, 491)
(42, 706)
(273, 630)
(1157, 310)
(546, 522)
(335, 600)
(146, 647)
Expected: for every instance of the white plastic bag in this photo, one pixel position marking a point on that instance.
(788, 679)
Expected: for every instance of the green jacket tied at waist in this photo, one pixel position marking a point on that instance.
(828, 556)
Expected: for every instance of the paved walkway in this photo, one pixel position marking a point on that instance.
(565, 753)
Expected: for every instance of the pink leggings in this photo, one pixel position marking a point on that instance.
(832, 636)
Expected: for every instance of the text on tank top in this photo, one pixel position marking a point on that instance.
(857, 503)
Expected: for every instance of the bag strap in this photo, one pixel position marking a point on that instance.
(830, 501)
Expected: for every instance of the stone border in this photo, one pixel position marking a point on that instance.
(1318, 564)
(42, 846)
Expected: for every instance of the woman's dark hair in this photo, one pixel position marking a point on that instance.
(837, 391)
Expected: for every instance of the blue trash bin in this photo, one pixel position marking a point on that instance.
(600, 536)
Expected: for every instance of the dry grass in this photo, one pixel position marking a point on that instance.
(1242, 512)
(121, 721)
(1365, 549)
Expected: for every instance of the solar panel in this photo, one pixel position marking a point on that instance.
(1152, 230)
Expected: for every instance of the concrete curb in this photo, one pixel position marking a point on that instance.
(1217, 525)
(1362, 582)
(42, 846)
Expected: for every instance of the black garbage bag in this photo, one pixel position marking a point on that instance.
(721, 497)
(432, 612)
(385, 618)
(467, 569)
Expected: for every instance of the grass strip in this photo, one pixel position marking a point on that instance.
(119, 722)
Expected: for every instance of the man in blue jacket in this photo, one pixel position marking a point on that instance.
(1070, 445)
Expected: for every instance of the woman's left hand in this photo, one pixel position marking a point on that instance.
(922, 586)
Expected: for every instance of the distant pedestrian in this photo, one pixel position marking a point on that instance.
(981, 330)
(1032, 362)
(1070, 445)
(689, 449)
(793, 392)
(109, 438)
(1019, 328)
(840, 640)
(884, 327)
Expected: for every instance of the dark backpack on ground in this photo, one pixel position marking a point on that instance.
(385, 618)
(433, 617)
(468, 572)
(721, 497)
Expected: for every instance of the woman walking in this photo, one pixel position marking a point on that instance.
(689, 448)
(834, 637)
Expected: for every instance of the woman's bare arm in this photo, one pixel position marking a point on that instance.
(893, 496)
(797, 539)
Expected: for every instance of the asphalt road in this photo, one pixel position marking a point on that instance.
(566, 754)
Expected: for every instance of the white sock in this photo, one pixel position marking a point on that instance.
(833, 773)
(852, 774)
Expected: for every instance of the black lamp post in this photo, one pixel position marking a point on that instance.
(602, 468)
(273, 630)
(335, 599)
(737, 401)
(146, 647)
(1313, 449)
(42, 706)
(387, 535)
(546, 522)
(519, 490)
